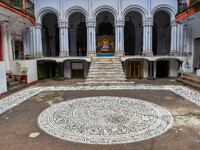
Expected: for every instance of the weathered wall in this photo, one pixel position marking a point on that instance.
(32, 69)
(3, 84)
(116, 6)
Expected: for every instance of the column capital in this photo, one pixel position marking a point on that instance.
(63, 24)
(148, 22)
(38, 26)
(173, 23)
(119, 23)
(91, 23)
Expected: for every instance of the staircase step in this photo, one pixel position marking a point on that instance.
(191, 75)
(17, 88)
(105, 80)
(106, 71)
(191, 79)
(10, 80)
(106, 84)
(189, 83)
(106, 76)
(15, 83)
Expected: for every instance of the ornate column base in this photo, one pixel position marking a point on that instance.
(147, 53)
(187, 54)
(174, 53)
(64, 54)
(119, 54)
(39, 55)
(91, 54)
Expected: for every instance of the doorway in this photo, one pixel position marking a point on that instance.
(134, 69)
(105, 31)
(162, 69)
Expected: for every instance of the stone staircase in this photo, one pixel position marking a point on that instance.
(14, 85)
(190, 79)
(106, 71)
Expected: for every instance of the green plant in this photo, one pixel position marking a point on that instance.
(57, 74)
(22, 70)
(41, 75)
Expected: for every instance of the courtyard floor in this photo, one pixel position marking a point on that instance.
(20, 128)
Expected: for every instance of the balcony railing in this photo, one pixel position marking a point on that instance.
(22, 5)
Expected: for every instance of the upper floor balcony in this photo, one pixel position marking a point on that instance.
(187, 8)
(24, 6)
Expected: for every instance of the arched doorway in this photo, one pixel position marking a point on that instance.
(50, 35)
(133, 34)
(105, 32)
(77, 35)
(161, 33)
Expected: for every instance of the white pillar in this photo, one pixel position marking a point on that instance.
(119, 38)
(147, 37)
(10, 52)
(5, 46)
(38, 36)
(91, 38)
(181, 40)
(64, 39)
(173, 50)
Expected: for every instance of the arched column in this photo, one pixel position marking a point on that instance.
(147, 37)
(38, 36)
(5, 45)
(64, 39)
(173, 49)
(119, 38)
(91, 38)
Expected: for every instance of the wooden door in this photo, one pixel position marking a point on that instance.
(134, 69)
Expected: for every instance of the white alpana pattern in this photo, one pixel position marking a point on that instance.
(105, 120)
(15, 99)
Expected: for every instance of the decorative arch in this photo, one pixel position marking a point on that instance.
(105, 8)
(75, 9)
(167, 8)
(135, 8)
(76, 21)
(42, 12)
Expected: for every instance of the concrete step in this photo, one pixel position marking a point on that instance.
(106, 76)
(106, 67)
(191, 79)
(106, 84)
(188, 83)
(15, 83)
(17, 88)
(106, 63)
(192, 75)
(10, 80)
(105, 80)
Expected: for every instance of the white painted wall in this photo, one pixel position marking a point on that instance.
(32, 69)
(173, 68)
(117, 5)
(3, 84)
(198, 72)
(145, 69)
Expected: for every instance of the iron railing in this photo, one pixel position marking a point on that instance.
(23, 5)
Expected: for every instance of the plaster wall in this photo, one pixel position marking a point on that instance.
(32, 69)
(145, 69)
(116, 5)
(173, 68)
(3, 85)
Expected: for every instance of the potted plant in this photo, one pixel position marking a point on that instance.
(21, 70)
